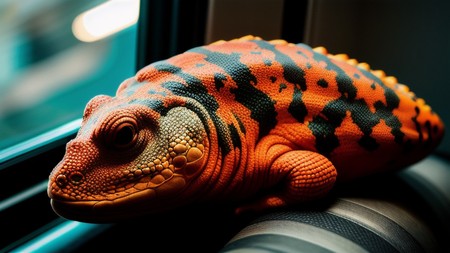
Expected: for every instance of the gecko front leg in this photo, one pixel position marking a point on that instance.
(304, 175)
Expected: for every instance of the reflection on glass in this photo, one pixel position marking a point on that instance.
(105, 19)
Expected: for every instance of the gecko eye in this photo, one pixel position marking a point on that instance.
(124, 135)
(121, 133)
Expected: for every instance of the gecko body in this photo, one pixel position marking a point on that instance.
(228, 120)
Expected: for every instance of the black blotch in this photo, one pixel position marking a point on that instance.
(365, 120)
(267, 62)
(293, 74)
(260, 104)
(324, 128)
(240, 123)
(218, 80)
(345, 86)
(373, 86)
(273, 79)
(392, 99)
(282, 87)
(322, 83)
(235, 138)
(154, 104)
(163, 66)
(385, 112)
(297, 107)
(344, 82)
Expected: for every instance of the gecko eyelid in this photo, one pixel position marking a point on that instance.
(124, 135)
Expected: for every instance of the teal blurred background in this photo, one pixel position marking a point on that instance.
(46, 74)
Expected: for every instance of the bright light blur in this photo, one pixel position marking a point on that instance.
(105, 20)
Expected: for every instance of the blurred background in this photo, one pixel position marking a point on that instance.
(50, 67)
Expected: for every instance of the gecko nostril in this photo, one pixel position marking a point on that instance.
(76, 178)
(61, 180)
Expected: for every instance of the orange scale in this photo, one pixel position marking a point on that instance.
(405, 112)
(316, 97)
(369, 95)
(233, 47)
(348, 132)
(382, 133)
(187, 60)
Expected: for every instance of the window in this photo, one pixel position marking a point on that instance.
(48, 74)
(49, 71)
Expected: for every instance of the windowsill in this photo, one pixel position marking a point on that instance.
(38, 144)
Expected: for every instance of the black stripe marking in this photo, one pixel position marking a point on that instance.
(324, 125)
(218, 80)
(293, 74)
(260, 104)
(154, 104)
(322, 83)
(240, 123)
(235, 138)
(385, 111)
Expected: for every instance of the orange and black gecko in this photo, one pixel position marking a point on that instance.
(227, 120)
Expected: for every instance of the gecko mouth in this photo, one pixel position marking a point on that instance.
(102, 211)
(124, 208)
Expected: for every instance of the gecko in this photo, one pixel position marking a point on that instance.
(231, 119)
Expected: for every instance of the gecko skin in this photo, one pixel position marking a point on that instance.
(227, 121)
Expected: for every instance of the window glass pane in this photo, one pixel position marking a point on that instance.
(47, 75)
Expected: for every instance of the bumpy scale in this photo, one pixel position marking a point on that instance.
(224, 121)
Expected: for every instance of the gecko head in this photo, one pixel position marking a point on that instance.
(127, 161)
